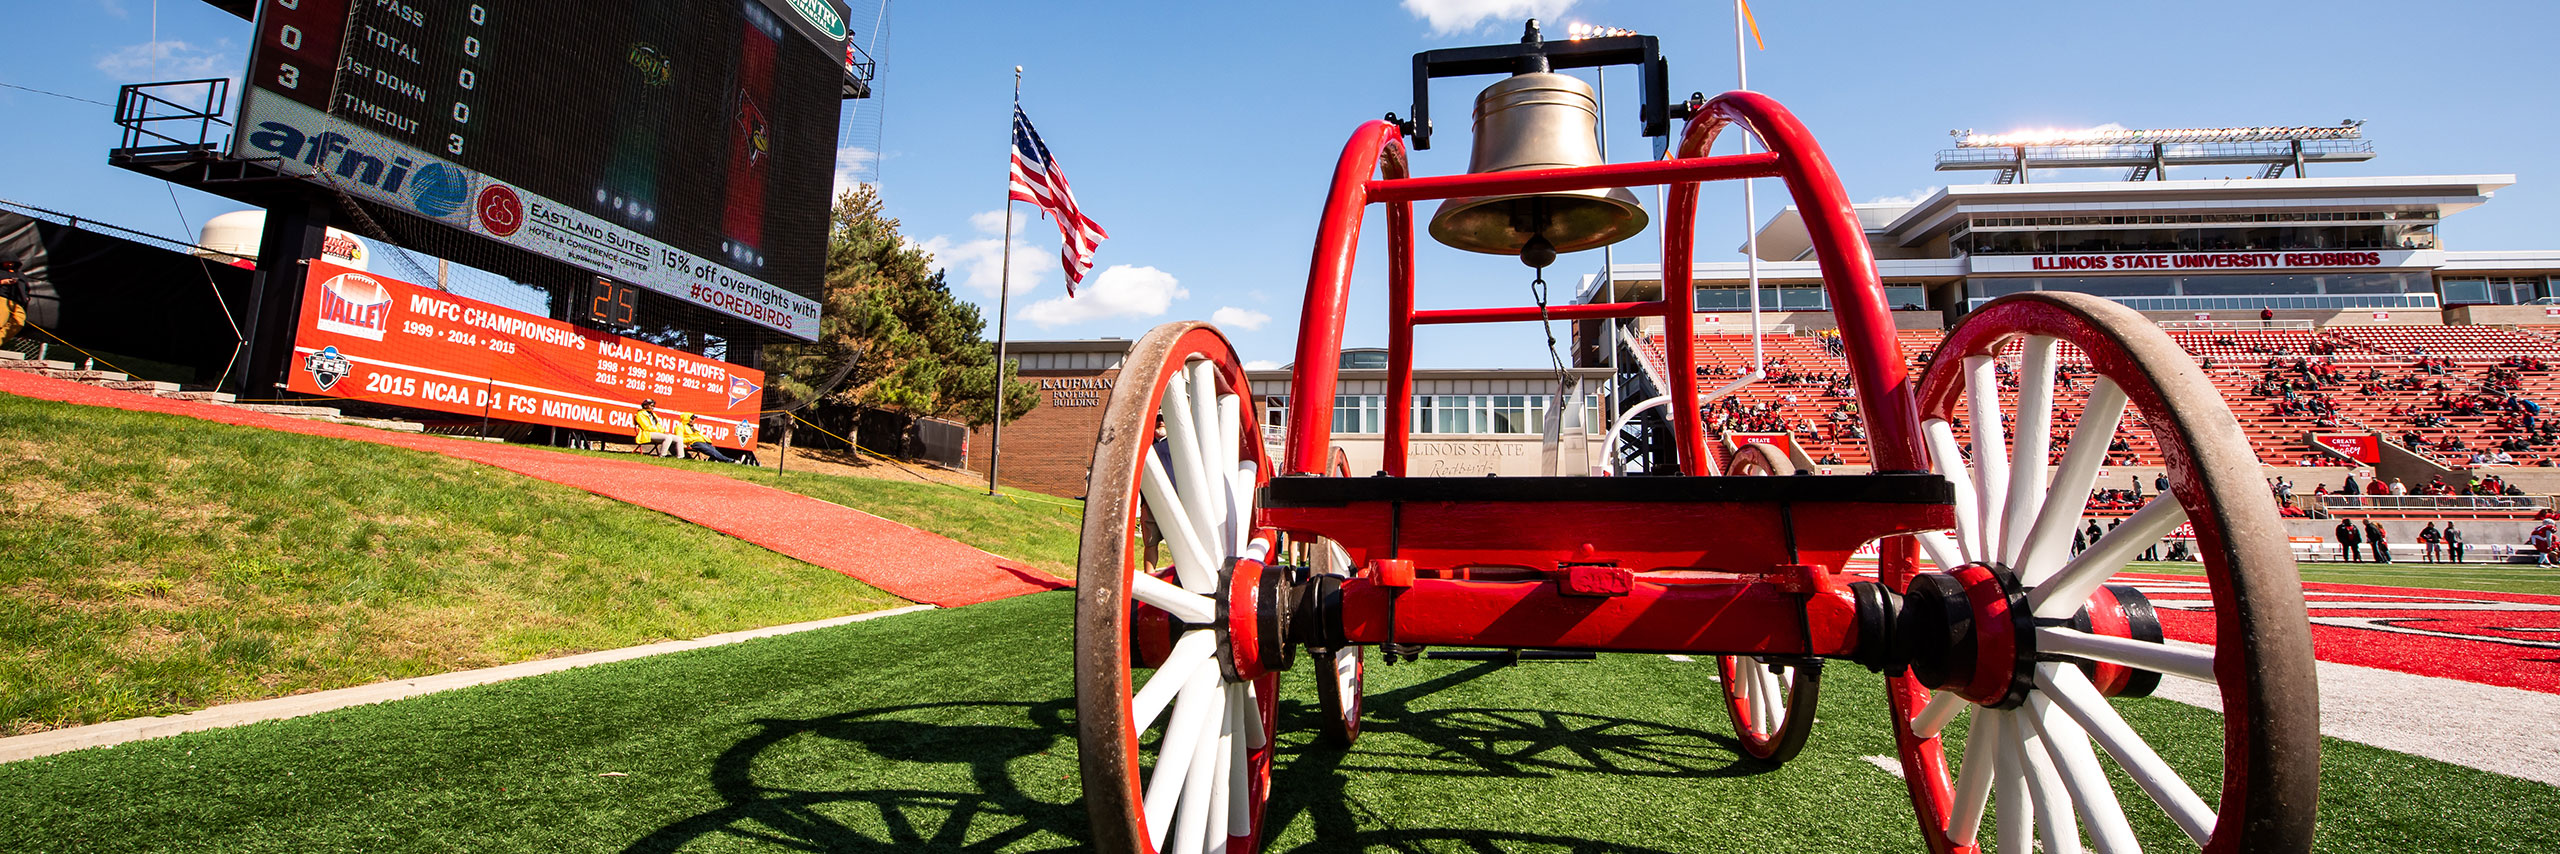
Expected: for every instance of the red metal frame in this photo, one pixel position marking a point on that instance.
(1840, 246)
(1753, 579)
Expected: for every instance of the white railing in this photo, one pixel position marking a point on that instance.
(2236, 325)
(2339, 502)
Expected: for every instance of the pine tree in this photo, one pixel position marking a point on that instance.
(918, 351)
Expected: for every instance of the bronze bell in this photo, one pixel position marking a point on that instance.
(1537, 120)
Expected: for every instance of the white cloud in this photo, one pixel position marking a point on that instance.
(1456, 16)
(1121, 291)
(114, 7)
(1240, 318)
(852, 163)
(1262, 365)
(977, 263)
(1911, 198)
(169, 60)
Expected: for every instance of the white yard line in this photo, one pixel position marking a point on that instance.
(235, 714)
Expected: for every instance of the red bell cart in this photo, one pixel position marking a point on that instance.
(1188, 610)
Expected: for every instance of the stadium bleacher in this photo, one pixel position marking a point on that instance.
(2351, 379)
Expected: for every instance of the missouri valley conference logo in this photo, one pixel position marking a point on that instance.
(740, 389)
(355, 304)
(822, 16)
(327, 367)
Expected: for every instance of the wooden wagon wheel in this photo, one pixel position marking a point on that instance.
(1994, 630)
(1339, 673)
(1170, 538)
(1771, 702)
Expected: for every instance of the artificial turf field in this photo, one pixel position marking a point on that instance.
(952, 730)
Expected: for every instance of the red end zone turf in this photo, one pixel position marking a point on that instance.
(2508, 639)
(909, 563)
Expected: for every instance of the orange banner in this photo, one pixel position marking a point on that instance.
(369, 337)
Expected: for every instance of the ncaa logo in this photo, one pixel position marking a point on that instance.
(354, 304)
(327, 367)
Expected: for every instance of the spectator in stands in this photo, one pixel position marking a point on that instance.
(2381, 546)
(2377, 487)
(2094, 533)
(2398, 488)
(2348, 539)
(2349, 488)
(650, 428)
(2452, 542)
(2266, 316)
(2430, 543)
(696, 442)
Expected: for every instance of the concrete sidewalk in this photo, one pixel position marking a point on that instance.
(236, 714)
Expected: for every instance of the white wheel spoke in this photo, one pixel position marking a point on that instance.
(1204, 418)
(1949, 463)
(1183, 434)
(1192, 561)
(1229, 448)
(1934, 717)
(1239, 765)
(1221, 802)
(1763, 713)
(1333, 560)
(1990, 451)
(1184, 605)
(2072, 483)
(1252, 711)
(1942, 550)
(1777, 691)
(1973, 780)
(2068, 747)
(2071, 691)
(2186, 662)
(1202, 779)
(1240, 478)
(2017, 828)
(1195, 721)
(2065, 592)
(2054, 818)
(2027, 452)
(1189, 655)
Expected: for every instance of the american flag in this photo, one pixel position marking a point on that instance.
(1036, 179)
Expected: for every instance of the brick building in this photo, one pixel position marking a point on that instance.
(1466, 422)
(1049, 449)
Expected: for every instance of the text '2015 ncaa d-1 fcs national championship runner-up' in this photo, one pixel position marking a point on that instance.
(374, 338)
(677, 146)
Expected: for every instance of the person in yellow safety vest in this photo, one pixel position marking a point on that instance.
(695, 441)
(652, 430)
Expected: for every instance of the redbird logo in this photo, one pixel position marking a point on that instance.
(355, 304)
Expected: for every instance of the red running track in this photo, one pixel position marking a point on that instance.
(908, 563)
(2509, 639)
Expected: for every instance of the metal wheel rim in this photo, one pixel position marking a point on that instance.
(1134, 807)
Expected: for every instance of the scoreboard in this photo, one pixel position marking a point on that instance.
(684, 146)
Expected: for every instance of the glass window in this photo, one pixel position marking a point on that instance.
(1357, 413)
(1906, 297)
(1275, 409)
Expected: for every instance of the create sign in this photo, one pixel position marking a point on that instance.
(2199, 262)
(2361, 447)
(369, 337)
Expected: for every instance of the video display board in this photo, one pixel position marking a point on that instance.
(685, 146)
(369, 337)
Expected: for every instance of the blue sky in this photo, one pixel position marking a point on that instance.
(1202, 134)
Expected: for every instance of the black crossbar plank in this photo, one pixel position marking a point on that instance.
(1873, 488)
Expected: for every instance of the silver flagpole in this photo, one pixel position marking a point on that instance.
(1004, 291)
